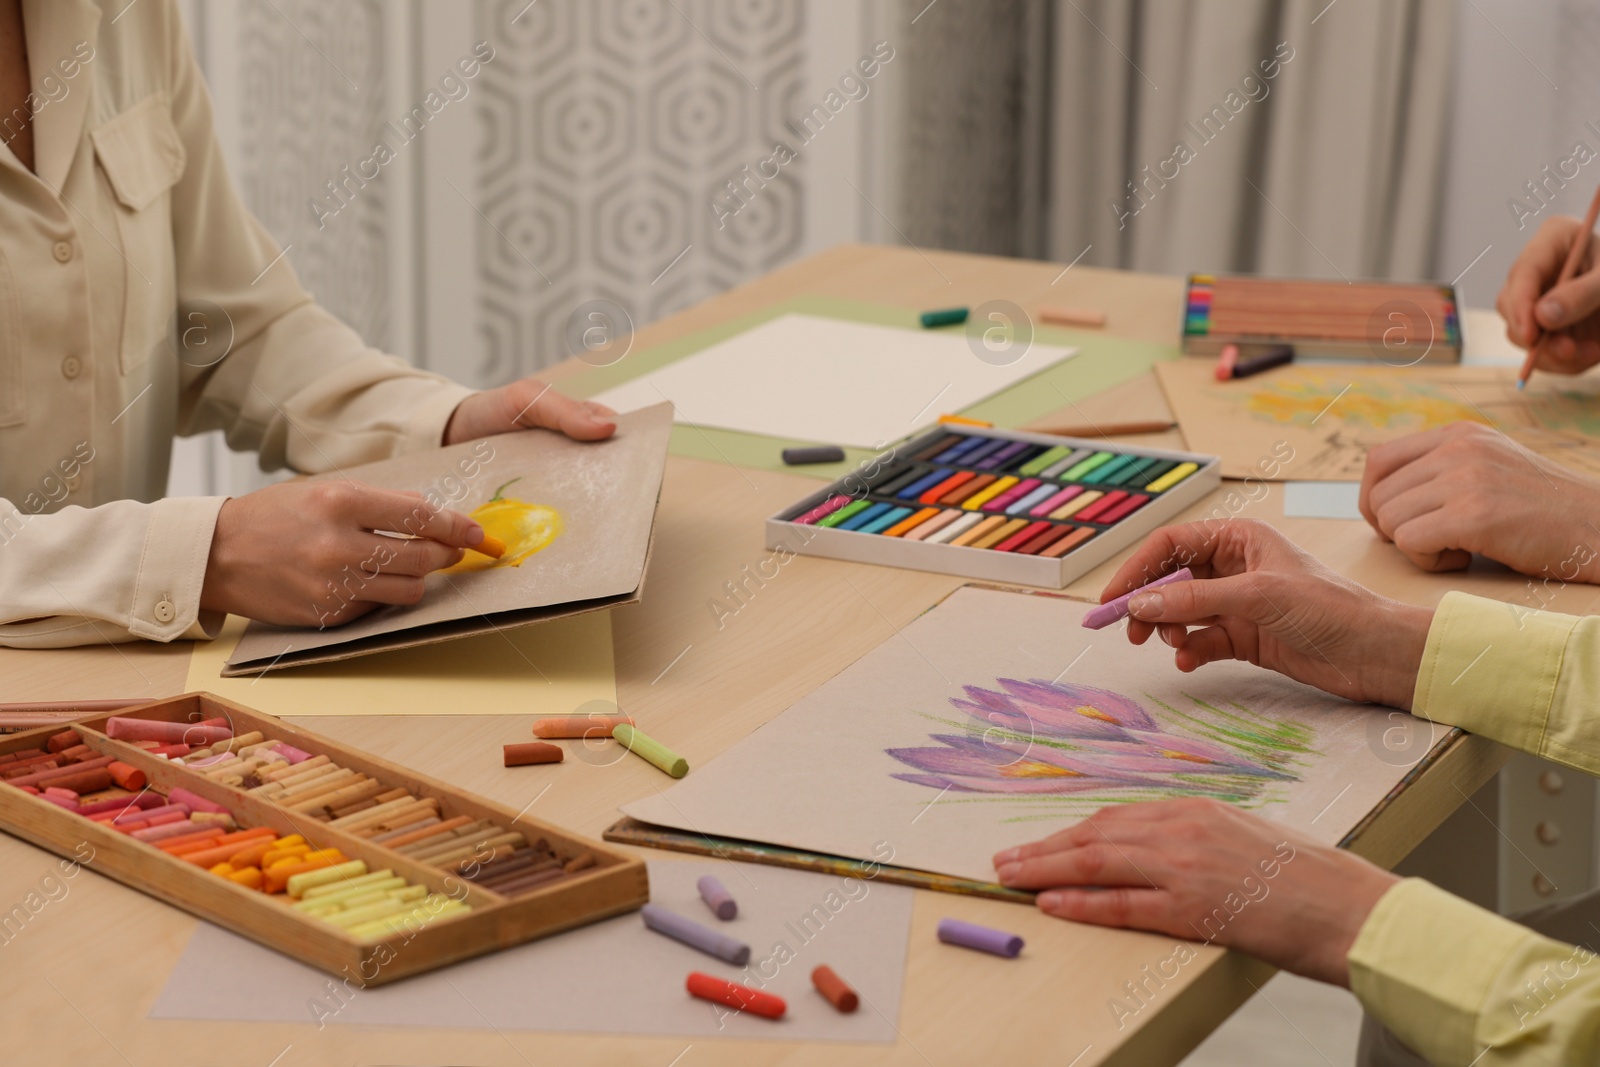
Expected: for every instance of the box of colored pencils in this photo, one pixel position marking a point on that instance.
(1396, 323)
(1008, 506)
(338, 859)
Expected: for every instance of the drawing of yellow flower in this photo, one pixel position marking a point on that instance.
(525, 528)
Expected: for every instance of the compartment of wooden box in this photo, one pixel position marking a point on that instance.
(615, 884)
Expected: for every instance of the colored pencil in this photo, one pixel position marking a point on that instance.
(1569, 270)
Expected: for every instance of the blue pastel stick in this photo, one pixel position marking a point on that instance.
(861, 518)
(886, 520)
(922, 485)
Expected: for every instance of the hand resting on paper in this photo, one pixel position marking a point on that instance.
(527, 404)
(1203, 870)
(1443, 494)
(1567, 315)
(1258, 597)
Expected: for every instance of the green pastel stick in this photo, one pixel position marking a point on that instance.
(1043, 460)
(835, 519)
(1086, 466)
(650, 749)
(944, 317)
(1109, 469)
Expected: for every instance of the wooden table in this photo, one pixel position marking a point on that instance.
(78, 978)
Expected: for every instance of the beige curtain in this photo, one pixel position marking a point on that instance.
(1293, 137)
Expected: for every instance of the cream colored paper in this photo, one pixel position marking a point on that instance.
(554, 667)
(821, 775)
(831, 380)
(1315, 422)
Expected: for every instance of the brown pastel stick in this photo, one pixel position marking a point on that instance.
(64, 740)
(84, 781)
(833, 987)
(406, 808)
(533, 752)
(581, 862)
(348, 794)
(399, 831)
(421, 835)
(551, 726)
(517, 873)
(532, 881)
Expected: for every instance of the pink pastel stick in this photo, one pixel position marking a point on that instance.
(1038, 511)
(1112, 610)
(290, 753)
(822, 510)
(121, 804)
(179, 809)
(1012, 495)
(175, 828)
(60, 802)
(168, 733)
(181, 795)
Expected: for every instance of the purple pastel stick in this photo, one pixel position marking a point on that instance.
(717, 897)
(1112, 610)
(982, 938)
(694, 935)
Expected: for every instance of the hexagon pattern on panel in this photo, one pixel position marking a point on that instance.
(608, 128)
(308, 112)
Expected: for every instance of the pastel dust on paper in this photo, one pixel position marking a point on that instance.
(1091, 747)
(1390, 405)
(524, 528)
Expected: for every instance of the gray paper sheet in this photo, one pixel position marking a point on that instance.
(612, 977)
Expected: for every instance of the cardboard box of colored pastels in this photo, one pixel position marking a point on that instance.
(344, 861)
(1003, 505)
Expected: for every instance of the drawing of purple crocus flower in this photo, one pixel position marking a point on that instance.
(1039, 737)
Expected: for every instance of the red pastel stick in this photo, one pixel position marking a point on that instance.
(734, 995)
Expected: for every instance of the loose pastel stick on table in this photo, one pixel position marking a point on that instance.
(1112, 610)
(722, 991)
(650, 749)
(553, 726)
(839, 994)
(717, 897)
(695, 935)
(982, 938)
(531, 752)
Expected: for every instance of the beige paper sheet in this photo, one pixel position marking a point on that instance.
(554, 667)
(1315, 422)
(826, 774)
(604, 493)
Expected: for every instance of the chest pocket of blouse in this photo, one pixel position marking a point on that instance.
(143, 158)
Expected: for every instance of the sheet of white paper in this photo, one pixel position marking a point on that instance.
(613, 977)
(829, 380)
(1322, 500)
(1483, 338)
(1053, 722)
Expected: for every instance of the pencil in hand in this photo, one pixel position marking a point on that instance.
(1569, 270)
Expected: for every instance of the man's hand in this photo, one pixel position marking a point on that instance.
(1259, 598)
(1205, 871)
(524, 405)
(308, 554)
(1568, 314)
(1443, 494)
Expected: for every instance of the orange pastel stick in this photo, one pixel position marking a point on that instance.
(126, 776)
(491, 546)
(251, 856)
(276, 879)
(250, 877)
(184, 844)
(429, 831)
(215, 853)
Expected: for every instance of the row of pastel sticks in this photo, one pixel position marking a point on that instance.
(1010, 496)
(357, 803)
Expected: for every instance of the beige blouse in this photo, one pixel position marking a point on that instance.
(138, 299)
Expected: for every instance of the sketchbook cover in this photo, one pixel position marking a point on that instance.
(599, 499)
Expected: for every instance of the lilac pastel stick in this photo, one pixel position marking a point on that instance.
(982, 938)
(717, 897)
(1112, 610)
(694, 935)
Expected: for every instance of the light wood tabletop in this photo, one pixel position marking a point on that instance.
(79, 978)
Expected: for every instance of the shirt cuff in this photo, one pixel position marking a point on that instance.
(1492, 668)
(165, 604)
(1425, 963)
(424, 429)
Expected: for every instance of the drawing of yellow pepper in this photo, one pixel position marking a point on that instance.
(525, 528)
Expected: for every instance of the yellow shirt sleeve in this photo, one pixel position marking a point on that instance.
(1458, 984)
(1528, 679)
(1461, 985)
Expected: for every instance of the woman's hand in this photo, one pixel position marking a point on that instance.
(1205, 871)
(1568, 314)
(1443, 494)
(1257, 597)
(525, 405)
(308, 554)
